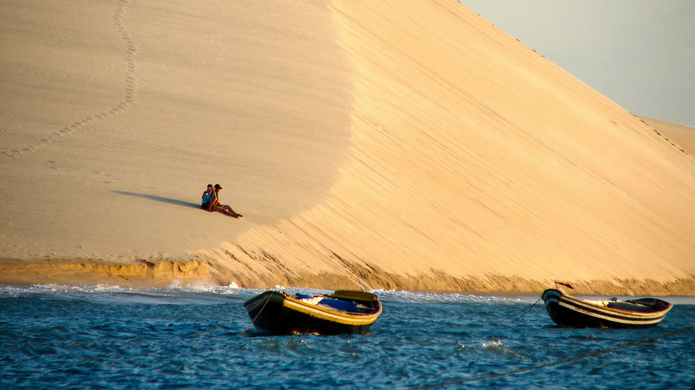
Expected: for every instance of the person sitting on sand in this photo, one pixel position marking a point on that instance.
(215, 204)
(208, 197)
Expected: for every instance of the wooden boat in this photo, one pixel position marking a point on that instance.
(341, 312)
(568, 311)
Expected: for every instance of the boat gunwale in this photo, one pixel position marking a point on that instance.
(615, 310)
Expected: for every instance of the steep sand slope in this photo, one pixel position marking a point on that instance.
(478, 164)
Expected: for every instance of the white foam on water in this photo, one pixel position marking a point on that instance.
(450, 297)
(235, 290)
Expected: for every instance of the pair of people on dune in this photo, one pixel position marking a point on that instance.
(211, 201)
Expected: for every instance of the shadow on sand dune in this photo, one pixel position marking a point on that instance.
(160, 199)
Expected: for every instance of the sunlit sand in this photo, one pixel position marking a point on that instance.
(368, 145)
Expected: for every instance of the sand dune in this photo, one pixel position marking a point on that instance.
(368, 145)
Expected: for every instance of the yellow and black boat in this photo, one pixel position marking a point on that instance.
(568, 311)
(340, 312)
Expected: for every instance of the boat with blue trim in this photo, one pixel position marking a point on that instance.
(340, 312)
(568, 311)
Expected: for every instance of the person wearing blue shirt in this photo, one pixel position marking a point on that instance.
(208, 197)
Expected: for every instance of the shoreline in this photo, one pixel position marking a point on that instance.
(162, 273)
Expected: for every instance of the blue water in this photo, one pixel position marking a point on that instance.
(199, 338)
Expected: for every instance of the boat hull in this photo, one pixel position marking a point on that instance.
(278, 313)
(568, 311)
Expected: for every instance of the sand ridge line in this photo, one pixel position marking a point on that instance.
(681, 137)
(129, 92)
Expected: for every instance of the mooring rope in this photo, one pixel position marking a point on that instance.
(518, 318)
(565, 361)
(241, 315)
(259, 313)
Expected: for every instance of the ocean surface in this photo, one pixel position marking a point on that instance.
(199, 337)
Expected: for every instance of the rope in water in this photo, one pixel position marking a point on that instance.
(259, 313)
(565, 361)
(241, 315)
(518, 318)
